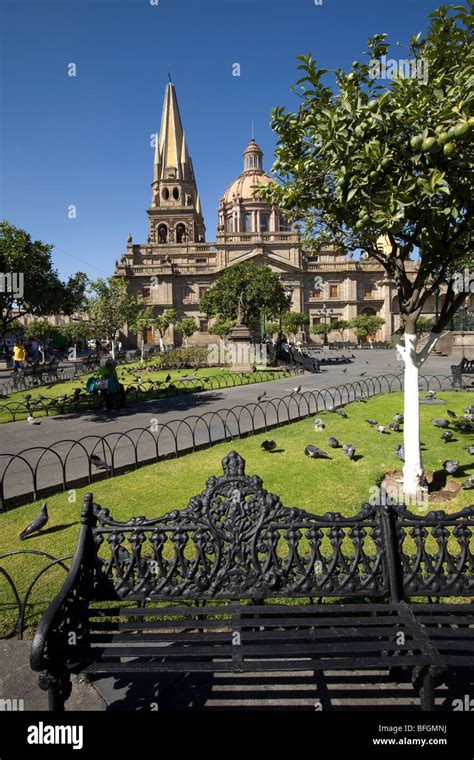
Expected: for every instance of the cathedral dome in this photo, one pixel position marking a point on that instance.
(243, 187)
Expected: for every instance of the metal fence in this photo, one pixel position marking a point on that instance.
(43, 470)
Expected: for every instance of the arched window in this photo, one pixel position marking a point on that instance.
(264, 222)
(180, 233)
(230, 224)
(247, 222)
(175, 193)
(162, 233)
(165, 194)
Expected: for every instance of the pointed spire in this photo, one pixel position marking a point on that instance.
(184, 151)
(171, 134)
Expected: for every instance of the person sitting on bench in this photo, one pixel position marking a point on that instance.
(114, 393)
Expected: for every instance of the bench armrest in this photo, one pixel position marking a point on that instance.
(73, 590)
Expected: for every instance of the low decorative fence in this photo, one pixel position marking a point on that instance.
(42, 470)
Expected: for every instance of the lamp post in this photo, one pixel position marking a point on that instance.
(323, 313)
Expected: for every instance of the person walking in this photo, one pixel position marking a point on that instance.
(18, 355)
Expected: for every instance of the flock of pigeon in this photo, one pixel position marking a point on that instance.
(463, 424)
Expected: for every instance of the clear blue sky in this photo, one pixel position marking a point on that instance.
(86, 140)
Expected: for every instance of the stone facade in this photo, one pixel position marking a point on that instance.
(175, 266)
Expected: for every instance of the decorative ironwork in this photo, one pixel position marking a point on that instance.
(142, 446)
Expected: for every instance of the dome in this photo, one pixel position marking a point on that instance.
(243, 187)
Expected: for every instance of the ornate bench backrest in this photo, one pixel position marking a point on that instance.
(435, 552)
(234, 541)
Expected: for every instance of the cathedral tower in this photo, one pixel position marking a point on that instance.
(175, 214)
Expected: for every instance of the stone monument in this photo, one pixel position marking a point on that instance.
(241, 342)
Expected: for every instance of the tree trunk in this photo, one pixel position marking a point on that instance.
(161, 343)
(113, 348)
(412, 470)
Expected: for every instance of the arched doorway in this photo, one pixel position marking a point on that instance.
(180, 233)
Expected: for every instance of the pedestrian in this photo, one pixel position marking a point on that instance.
(18, 355)
(114, 393)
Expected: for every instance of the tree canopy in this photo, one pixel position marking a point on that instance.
(40, 291)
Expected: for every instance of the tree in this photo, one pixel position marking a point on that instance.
(222, 327)
(187, 328)
(40, 329)
(320, 329)
(292, 321)
(30, 285)
(387, 168)
(366, 324)
(110, 307)
(144, 319)
(272, 328)
(162, 322)
(340, 326)
(260, 288)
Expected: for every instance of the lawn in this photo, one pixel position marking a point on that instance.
(317, 486)
(128, 376)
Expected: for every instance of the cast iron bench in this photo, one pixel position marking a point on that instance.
(203, 589)
(465, 367)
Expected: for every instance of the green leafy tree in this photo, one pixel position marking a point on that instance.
(163, 321)
(187, 328)
(366, 324)
(385, 166)
(39, 291)
(40, 329)
(272, 328)
(293, 321)
(261, 290)
(340, 326)
(222, 327)
(320, 329)
(110, 307)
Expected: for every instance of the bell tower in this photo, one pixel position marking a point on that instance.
(175, 214)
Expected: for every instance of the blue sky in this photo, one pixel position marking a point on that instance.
(85, 140)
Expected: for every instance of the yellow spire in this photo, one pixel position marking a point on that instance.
(170, 143)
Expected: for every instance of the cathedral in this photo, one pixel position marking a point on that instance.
(176, 265)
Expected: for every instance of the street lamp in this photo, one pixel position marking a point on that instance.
(323, 313)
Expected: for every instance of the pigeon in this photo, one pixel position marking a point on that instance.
(447, 436)
(431, 394)
(296, 390)
(31, 420)
(372, 423)
(167, 378)
(469, 417)
(469, 483)
(313, 452)
(400, 452)
(470, 450)
(398, 418)
(362, 374)
(333, 442)
(262, 395)
(318, 424)
(469, 409)
(440, 423)
(268, 445)
(36, 524)
(382, 429)
(341, 414)
(99, 463)
(451, 414)
(464, 427)
(344, 370)
(450, 465)
(349, 450)
(395, 426)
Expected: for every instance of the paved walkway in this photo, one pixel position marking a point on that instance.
(61, 431)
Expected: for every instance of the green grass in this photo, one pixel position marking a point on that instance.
(126, 374)
(317, 486)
